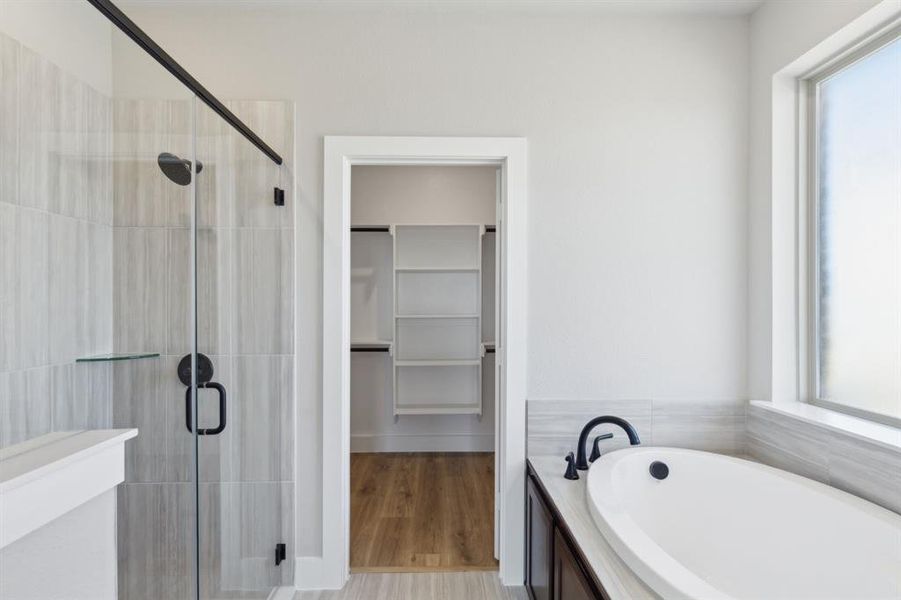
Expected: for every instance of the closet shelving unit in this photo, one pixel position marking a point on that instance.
(437, 349)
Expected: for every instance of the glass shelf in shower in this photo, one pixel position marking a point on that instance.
(118, 357)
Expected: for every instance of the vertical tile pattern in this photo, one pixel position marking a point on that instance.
(180, 442)
(9, 287)
(95, 257)
(263, 291)
(214, 296)
(33, 288)
(139, 402)
(9, 119)
(55, 247)
(63, 305)
(715, 426)
(790, 445)
(93, 288)
(72, 149)
(155, 541)
(863, 468)
(81, 396)
(244, 324)
(142, 195)
(250, 521)
(139, 296)
(255, 174)
(252, 446)
(39, 125)
(24, 405)
(554, 425)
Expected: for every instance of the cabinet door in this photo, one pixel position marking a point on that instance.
(569, 581)
(540, 545)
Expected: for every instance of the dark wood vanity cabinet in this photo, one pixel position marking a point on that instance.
(554, 568)
(539, 546)
(570, 583)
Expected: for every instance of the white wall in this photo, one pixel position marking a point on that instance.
(637, 128)
(781, 32)
(72, 557)
(72, 35)
(422, 195)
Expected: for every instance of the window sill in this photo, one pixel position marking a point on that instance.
(868, 431)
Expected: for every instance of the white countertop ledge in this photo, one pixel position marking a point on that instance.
(46, 477)
(571, 500)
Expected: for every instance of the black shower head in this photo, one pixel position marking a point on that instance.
(177, 169)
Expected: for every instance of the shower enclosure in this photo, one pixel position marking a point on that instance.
(146, 280)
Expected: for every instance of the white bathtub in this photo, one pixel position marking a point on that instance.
(721, 527)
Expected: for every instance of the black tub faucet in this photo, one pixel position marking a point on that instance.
(581, 460)
(596, 448)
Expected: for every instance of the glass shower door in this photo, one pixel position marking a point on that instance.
(153, 170)
(242, 345)
(146, 282)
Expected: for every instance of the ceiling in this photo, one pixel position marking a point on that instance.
(673, 7)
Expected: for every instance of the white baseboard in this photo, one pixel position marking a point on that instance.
(445, 442)
(285, 592)
(312, 573)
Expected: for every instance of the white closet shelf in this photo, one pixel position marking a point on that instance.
(438, 410)
(439, 363)
(437, 319)
(448, 316)
(438, 269)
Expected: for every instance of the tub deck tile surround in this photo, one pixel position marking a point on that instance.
(571, 502)
(710, 425)
(870, 469)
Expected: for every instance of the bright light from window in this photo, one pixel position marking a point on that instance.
(859, 233)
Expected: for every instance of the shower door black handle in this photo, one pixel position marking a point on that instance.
(223, 404)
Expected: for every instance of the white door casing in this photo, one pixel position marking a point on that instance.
(340, 154)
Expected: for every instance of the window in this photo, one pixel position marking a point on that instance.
(855, 122)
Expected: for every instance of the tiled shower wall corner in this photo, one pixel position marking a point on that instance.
(861, 467)
(94, 258)
(712, 425)
(245, 325)
(56, 239)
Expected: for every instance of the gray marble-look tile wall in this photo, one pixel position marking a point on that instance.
(95, 258)
(245, 325)
(715, 426)
(55, 247)
(863, 468)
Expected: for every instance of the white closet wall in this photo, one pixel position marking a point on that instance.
(422, 195)
(443, 315)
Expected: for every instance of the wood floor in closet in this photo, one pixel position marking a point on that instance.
(422, 512)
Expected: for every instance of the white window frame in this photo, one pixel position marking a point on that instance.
(808, 220)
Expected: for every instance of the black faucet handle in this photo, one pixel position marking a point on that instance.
(571, 472)
(595, 449)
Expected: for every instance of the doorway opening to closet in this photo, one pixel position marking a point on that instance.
(423, 302)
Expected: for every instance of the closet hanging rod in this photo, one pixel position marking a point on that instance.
(380, 228)
(118, 18)
(386, 228)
